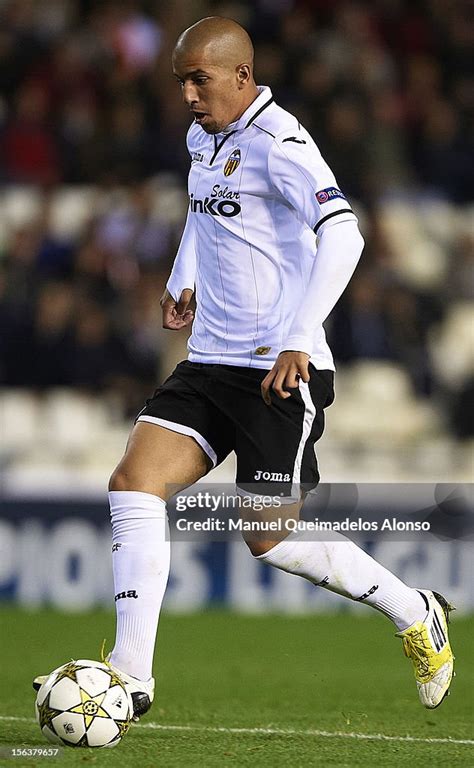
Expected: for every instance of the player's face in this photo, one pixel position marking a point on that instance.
(213, 93)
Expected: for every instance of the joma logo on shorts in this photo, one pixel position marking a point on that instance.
(275, 477)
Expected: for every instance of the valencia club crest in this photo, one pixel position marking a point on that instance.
(233, 162)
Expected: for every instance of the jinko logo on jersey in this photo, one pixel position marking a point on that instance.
(233, 162)
(324, 195)
(217, 205)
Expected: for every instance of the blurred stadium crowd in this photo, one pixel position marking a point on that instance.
(93, 167)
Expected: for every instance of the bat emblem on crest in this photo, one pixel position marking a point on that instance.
(233, 162)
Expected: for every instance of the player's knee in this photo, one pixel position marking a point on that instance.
(126, 478)
(120, 480)
(258, 548)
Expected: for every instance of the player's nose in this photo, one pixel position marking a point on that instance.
(189, 94)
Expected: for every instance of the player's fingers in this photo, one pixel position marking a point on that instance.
(292, 377)
(278, 384)
(171, 320)
(188, 317)
(303, 371)
(265, 387)
(168, 309)
(167, 319)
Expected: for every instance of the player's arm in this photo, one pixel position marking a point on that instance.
(180, 286)
(302, 177)
(338, 252)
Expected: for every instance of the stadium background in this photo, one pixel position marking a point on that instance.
(92, 203)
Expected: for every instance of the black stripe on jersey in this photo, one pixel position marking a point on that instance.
(259, 112)
(264, 130)
(218, 147)
(330, 216)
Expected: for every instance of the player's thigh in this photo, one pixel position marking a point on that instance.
(275, 444)
(276, 460)
(159, 461)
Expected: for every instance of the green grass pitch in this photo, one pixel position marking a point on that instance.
(307, 682)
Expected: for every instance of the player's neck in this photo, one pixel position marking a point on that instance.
(253, 94)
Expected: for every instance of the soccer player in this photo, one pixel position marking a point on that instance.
(269, 246)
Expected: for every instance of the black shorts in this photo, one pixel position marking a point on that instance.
(221, 407)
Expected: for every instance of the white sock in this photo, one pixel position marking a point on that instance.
(141, 564)
(342, 567)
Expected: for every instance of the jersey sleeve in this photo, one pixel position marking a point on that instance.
(338, 252)
(303, 178)
(184, 268)
(183, 273)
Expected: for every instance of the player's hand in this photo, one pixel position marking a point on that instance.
(176, 315)
(289, 368)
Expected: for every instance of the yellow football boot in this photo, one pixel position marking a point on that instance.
(426, 643)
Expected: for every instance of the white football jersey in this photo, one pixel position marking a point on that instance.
(260, 193)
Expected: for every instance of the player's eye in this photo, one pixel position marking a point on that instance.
(201, 80)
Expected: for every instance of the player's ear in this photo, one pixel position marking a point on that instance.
(243, 74)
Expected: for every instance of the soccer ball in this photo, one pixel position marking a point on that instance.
(84, 704)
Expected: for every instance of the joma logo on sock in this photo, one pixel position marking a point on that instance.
(370, 592)
(129, 593)
(276, 477)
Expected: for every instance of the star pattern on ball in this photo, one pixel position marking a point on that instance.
(115, 679)
(68, 671)
(46, 713)
(123, 727)
(90, 707)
